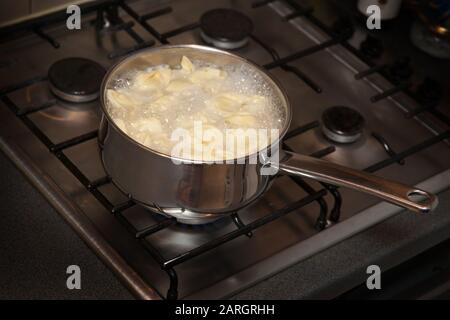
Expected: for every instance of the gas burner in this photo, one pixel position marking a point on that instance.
(435, 45)
(342, 124)
(76, 79)
(225, 28)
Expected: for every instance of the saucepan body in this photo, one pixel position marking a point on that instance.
(199, 192)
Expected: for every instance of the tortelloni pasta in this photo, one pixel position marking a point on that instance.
(195, 111)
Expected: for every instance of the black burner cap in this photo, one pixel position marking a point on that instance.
(343, 121)
(226, 25)
(76, 79)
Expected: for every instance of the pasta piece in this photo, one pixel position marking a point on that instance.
(149, 125)
(255, 104)
(163, 103)
(242, 120)
(121, 124)
(186, 64)
(154, 79)
(119, 100)
(225, 105)
(199, 116)
(178, 85)
(159, 141)
(239, 98)
(205, 74)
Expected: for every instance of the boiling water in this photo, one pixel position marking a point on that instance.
(196, 109)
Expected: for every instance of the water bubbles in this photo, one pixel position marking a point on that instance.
(165, 111)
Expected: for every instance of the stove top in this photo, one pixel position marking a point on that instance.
(53, 141)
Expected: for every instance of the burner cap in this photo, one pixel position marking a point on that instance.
(225, 28)
(76, 79)
(342, 124)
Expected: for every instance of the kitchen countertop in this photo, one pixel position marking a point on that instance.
(36, 246)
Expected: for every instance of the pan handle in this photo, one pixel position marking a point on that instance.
(405, 196)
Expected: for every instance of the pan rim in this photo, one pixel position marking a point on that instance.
(237, 160)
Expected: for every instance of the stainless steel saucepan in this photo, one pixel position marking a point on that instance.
(199, 192)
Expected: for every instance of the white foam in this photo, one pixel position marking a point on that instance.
(149, 113)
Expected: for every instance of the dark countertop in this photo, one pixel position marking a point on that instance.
(36, 246)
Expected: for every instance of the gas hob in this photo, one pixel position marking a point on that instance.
(53, 141)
